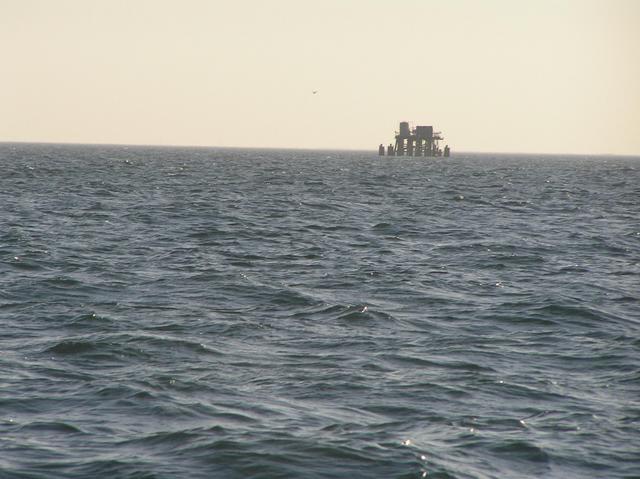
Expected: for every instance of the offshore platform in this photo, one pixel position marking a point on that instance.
(417, 141)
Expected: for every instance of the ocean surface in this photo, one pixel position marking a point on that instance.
(228, 313)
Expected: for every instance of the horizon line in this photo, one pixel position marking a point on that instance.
(373, 150)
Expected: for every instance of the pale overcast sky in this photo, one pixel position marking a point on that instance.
(493, 75)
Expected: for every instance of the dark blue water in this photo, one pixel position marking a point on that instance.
(205, 313)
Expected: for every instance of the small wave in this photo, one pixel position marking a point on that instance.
(520, 451)
(344, 313)
(25, 264)
(51, 427)
(72, 347)
(428, 361)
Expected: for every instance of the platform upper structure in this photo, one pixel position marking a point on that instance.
(421, 140)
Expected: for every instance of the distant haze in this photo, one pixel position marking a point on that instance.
(495, 75)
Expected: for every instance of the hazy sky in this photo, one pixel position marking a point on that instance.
(492, 75)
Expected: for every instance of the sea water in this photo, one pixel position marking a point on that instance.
(195, 312)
